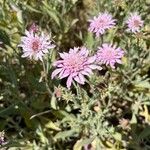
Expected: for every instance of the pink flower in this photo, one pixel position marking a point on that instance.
(101, 23)
(134, 22)
(35, 46)
(33, 28)
(109, 55)
(75, 65)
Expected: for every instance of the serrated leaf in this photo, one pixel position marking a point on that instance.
(64, 134)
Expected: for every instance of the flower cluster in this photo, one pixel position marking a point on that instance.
(105, 21)
(77, 63)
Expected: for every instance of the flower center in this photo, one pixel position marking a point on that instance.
(74, 63)
(102, 23)
(136, 23)
(110, 54)
(35, 45)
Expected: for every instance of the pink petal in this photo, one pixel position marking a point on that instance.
(63, 55)
(93, 66)
(56, 63)
(88, 70)
(85, 73)
(91, 59)
(69, 81)
(112, 65)
(84, 51)
(61, 73)
(65, 74)
(55, 72)
(81, 77)
(118, 61)
(25, 54)
(77, 79)
(51, 46)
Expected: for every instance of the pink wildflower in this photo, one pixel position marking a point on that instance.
(33, 28)
(134, 22)
(101, 23)
(75, 65)
(109, 55)
(35, 46)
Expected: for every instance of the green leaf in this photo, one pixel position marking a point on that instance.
(53, 102)
(80, 143)
(32, 9)
(90, 40)
(52, 13)
(64, 134)
(51, 125)
(145, 133)
(4, 37)
(9, 110)
(133, 119)
(142, 84)
(74, 22)
(117, 136)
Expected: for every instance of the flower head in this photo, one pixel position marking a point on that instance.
(35, 46)
(101, 23)
(134, 22)
(109, 55)
(33, 28)
(75, 65)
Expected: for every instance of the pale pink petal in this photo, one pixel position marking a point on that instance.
(91, 59)
(55, 72)
(65, 74)
(78, 80)
(81, 77)
(69, 81)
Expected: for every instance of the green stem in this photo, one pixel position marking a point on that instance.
(46, 79)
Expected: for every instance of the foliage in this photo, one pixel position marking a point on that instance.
(111, 111)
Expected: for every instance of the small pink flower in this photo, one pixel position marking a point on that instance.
(109, 55)
(101, 23)
(35, 46)
(134, 22)
(75, 65)
(33, 28)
